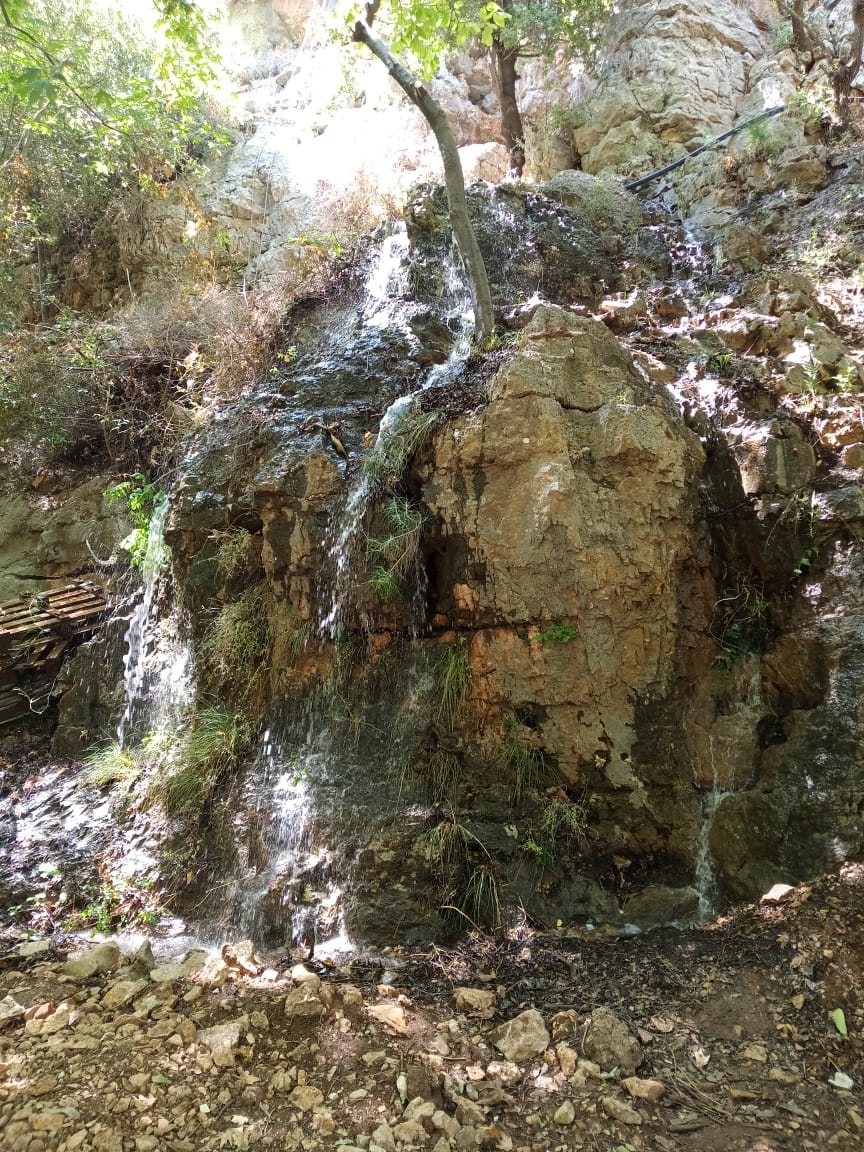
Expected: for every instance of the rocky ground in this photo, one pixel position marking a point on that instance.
(742, 1034)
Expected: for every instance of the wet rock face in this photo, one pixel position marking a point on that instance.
(531, 243)
(802, 812)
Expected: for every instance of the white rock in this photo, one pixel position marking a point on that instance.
(222, 1039)
(522, 1037)
(103, 958)
(565, 1113)
(300, 974)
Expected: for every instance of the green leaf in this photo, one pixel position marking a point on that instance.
(838, 1019)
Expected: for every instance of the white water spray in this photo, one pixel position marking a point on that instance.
(140, 622)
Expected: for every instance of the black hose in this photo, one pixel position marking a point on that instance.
(634, 184)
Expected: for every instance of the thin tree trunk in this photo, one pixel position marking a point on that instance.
(511, 117)
(454, 180)
(845, 75)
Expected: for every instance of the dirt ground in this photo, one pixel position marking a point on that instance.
(725, 1037)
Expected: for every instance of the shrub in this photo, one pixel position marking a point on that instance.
(235, 649)
(205, 754)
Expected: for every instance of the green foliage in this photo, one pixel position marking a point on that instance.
(117, 904)
(739, 622)
(531, 772)
(424, 29)
(384, 584)
(479, 900)
(567, 818)
(138, 497)
(442, 775)
(385, 464)
(91, 104)
(454, 683)
(204, 755)
(557, 634)
(235, 648)
(112, 765)
(392, 555)
(236, 554)
(451, 844)
(541, 27)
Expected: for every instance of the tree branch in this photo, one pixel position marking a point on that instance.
(34, 41)
(454, 179)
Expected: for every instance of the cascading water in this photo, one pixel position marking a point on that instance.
(157, 662)
(326, 778)
(705, 877)
(140, 622)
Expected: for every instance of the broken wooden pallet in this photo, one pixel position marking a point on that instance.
(35, 633)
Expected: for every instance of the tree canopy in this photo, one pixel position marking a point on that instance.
(89, 102)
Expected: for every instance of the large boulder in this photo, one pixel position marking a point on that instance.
(677, 71)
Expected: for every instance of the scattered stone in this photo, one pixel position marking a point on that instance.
(522, 1037)
(467, 1112)
(410, 1132)
(643, 1089)
(611, 1044)
(392, 1016)
(382, 1138)
(303, 1001)
(123, 992)
(143, 957)
(10, 1010)
(167, 973)
(300, 974)
(756, 1052)
(223, 1039)
(480, 1001)
(103, 958)
(306, 1097)
(620, 1111)
(565, 1114)
(33, 948)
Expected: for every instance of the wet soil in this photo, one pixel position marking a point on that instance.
(733, 1019)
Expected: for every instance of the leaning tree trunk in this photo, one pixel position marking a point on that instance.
(511, 117)
(454, 180)
(845, 75)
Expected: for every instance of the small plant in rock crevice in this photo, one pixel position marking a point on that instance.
(138, 498)
(531, 771)
(454, 684)
(235, 648)
(112, 765)
(385, 463)
(479, 900)
(566, 818)
(740, 620)
(393, 554)
(207, 752)
(557, 634)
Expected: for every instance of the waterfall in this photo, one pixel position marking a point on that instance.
(157, 661)
(141, 621)
(705, 878)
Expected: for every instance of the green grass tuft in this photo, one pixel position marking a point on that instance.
(454, 684)
(112, 765)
